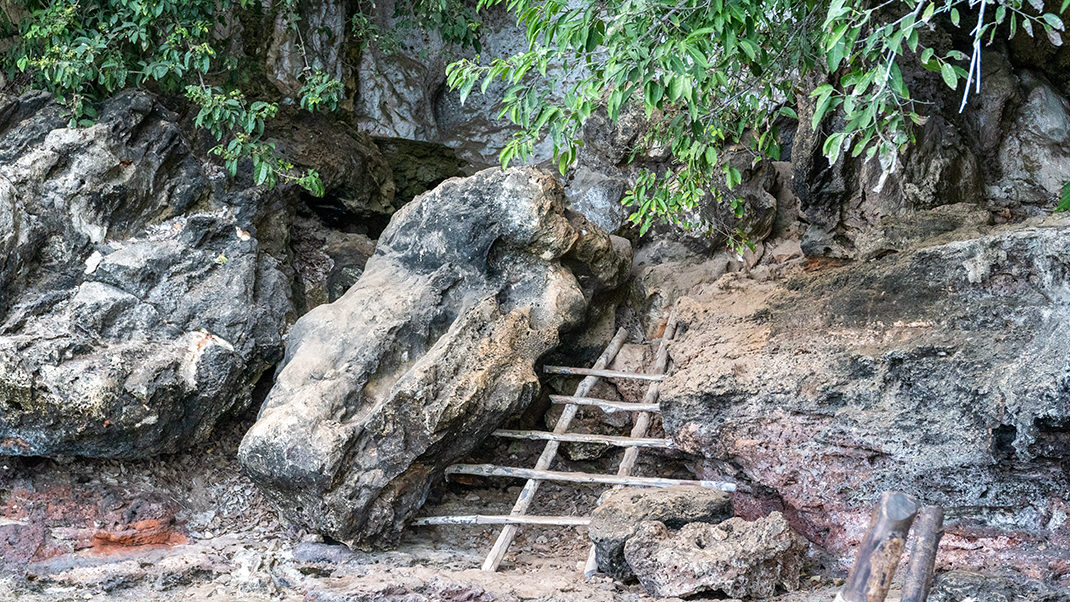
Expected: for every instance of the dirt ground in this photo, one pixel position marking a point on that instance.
(191, 526)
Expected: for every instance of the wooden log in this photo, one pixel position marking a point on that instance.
(502, 519)
(601, 373)
(641, 424)
(527, 494)
(879, 552)
(928, 529)
(492, 470)
(618, 441)
(605, 404)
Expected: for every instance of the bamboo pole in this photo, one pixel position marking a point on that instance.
(491, 470)
(601, 373)
(527, 494)
(605, 404)
(586, 438)
(928, 529)
(878, 555)
(502, 519)
(641, 425)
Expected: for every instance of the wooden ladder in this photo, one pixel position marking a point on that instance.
(643, 416)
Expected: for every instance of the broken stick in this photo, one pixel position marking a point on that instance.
(879, 553)
(928, 529)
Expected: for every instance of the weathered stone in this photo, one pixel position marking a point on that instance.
(307, 34)
(619, 516)
(396, 90)
(432, 349)
(841, 202)
(358, 179)
(894, 234)
(418, 166)
(663, 271)
(598, 195)
(137, 307)
(1037, 51)
(735, 558)
(940, 370)
(715, 221)
(1034, 157)
(963, 586)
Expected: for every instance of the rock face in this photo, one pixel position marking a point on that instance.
(941, 370)
(136, 305)
(1034, 157)
(357, 177)
(962, 586)
(621, 513)
(736, 558)
(1008, 153)
(434, 346)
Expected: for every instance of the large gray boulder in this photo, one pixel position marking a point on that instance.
(941, 370)
(136, 304)
(427, 353)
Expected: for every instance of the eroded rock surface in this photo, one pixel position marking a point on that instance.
(963, 586)
(735, 558)
(428, 352)
(621, 513)
(137, 306)
(941, 370)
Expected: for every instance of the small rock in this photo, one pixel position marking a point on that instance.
(736, 558)
(618, 518)
(322, 553)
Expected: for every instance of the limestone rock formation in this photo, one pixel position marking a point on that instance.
(964, 586)
(735, 558)
(1034, 158)
(941, 370)
(313, 36)
(136, 303)
(618, 518)
(358, 178)
(428, 352)
(1008, 152)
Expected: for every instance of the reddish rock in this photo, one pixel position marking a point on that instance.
(940, 371)
(36, 525)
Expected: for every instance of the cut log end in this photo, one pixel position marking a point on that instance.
(879, 552)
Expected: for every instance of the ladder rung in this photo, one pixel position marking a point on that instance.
(601, 373)
(586, 438)
(502, 519)
(605, 404)
(491, 470)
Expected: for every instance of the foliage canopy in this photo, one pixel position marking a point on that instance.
(720, 72)
(711, 73)
(85, 50)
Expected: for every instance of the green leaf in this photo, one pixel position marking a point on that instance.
(836, 10)
(928, 14)
(949, 75)
(749, 48)
(822, 105)
(1053, 21)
